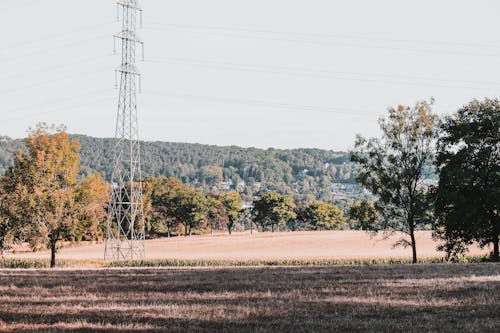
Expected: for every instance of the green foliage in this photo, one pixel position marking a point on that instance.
(175, 203)
(324, 216)
(158, 198)
(468, 195)
(304, 172)
(273, 209)
(396, 167)
(233, 206)
(364, 215)
(217, 213)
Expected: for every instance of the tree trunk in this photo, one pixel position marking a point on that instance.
(411, 225)
(185, 230)
(495, 238)
(413, 246)
(496, 254)
(272, 228)
(53, 250)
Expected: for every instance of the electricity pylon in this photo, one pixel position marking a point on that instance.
(125, 224)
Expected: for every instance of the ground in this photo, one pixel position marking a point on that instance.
(264, 246)
(396, 298)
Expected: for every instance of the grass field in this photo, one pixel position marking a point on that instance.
(269, 246)
(395, 298)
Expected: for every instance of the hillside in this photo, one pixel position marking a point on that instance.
(306, 173)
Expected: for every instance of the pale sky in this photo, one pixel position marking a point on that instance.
(262, 73)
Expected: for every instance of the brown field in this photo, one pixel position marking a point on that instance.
(265, 246)
(397, 298)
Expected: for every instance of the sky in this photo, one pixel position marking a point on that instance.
(254, 73)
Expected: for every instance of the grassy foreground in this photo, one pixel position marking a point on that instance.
(377, 298)
(88, 263)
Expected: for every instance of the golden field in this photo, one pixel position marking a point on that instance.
(267, 246)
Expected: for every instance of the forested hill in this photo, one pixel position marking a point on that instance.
(303, 172)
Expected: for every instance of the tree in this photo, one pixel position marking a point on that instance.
(193, 208)
(217, 214)
(273, 209)
(468, 195)
(6, 227)
(324, 216)
(177, 203)
(396, 167)
(233, 204)
(158, 195)
(92, 196)
(364, 215)
(41, 188)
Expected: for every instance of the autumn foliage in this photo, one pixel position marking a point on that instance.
(43, 198)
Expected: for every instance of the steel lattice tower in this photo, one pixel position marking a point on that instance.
(125, 223)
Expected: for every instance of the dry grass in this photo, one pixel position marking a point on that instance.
(394, 298)
(269, 246)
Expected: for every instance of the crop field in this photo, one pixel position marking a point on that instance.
(268, 246)
(391, 298)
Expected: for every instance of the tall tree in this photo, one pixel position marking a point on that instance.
(468, 195)
(41, 187)
(396, 167)
(233, 204)
(324, 216)
(364, 215)
(273, 209)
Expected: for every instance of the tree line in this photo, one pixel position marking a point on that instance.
(45, 199)
(305, 173)
(44, 203)
(173, 208)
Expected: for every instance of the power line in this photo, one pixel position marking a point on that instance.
(26, 55)
(43, 104)
(321, 35)
(287, 108)
(86, 73)
(80, 105)
(327, 74)
(60, 34)
(316, 42)
(260, 103)
(41, 70)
